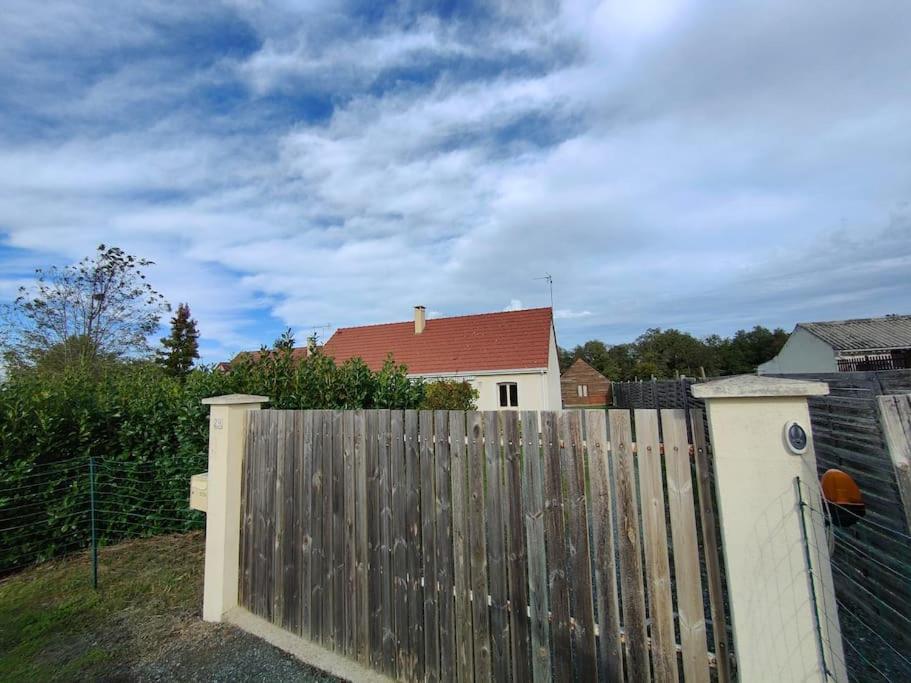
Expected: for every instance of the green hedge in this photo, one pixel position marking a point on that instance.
(147, 433)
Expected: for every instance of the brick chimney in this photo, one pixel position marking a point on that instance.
(420, 320)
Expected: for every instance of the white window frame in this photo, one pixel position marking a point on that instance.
(512, 394)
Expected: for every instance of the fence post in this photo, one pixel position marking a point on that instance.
(777, 633)
(227, 432)
(94, 533)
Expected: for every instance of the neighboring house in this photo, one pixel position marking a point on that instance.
(845, 346)
(509, 357)
(297, 353)
(582, 385)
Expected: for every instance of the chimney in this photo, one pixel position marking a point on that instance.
(419, 320)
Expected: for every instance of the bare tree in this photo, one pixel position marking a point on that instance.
(101, 307)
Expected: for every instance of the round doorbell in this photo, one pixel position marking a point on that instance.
(795, 436)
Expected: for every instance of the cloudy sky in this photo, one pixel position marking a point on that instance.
(707, 166)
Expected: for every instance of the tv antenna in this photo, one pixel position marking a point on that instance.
(550, 285)
(314, 328)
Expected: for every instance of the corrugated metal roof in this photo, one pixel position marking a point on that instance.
(891, 332)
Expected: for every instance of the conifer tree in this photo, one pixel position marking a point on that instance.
(181, 348)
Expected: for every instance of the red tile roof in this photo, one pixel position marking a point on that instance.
(511, 340)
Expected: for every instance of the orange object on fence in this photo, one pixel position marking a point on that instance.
(843, 497)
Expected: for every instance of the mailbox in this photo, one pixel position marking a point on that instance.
(199, 491)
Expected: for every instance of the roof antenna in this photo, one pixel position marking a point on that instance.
(550, 284)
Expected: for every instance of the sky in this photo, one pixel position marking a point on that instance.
(705, 166)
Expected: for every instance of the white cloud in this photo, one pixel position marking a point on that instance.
(669, 164)
(514, 305)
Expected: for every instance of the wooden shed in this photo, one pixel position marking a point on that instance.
(582, 385)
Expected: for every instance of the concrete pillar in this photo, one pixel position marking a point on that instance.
(227, 431)
(778, 635)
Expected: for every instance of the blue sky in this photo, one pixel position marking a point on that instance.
(291, 164)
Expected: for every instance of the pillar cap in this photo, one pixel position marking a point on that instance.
(756, 386)
(234, 399)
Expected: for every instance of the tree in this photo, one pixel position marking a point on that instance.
(100, 307)
(181, 347)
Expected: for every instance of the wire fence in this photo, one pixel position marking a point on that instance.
(81, 503)
(869, 655)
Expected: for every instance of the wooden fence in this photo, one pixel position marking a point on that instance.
(497, 545)
(871, 562)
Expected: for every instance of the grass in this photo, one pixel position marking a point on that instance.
(54, 626)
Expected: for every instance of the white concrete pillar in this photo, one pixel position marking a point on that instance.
(227, 432)
(777, 634)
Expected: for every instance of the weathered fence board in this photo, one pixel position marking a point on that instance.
(461, 549)
(443, 524)
(478, 546)
(711, 547)
(654, 537)
(496, 550)
(555, 531)
(475, 546)
(516, 560)
(690, 608)
(428, 554)
(415, 668)
(533, 501)
(399, 544)
(580, 580)
(632, 587)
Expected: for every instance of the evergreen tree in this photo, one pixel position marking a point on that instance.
(181, 348)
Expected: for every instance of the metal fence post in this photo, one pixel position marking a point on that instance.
(94, 537)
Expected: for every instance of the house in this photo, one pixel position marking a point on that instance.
(845, 346)
(510, 358)
(582, 385)
(298, 353)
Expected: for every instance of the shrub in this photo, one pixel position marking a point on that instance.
(449, 395)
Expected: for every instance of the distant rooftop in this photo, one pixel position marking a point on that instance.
(889, 332)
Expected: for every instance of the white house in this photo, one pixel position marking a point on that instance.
(845, 346)
(509, 357)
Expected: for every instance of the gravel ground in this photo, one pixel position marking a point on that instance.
(223, 653)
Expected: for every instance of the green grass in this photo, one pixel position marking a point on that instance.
(54, 626)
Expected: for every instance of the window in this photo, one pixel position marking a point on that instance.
(582, 390)
(509, 394)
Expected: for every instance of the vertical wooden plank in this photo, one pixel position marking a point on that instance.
(316, 528)
(478, 547)
(443, 523)
(580, 577)
(413, 511)
(362, 606)
(306, 485)
(460, 548)
(895, 421)
(610, 649)
(374, 569)
(399, 544)
(268, 574)
(278, 539)
(655, 541)
(350, 541)
(387, 640)
(246, 513)
(690, 609)
(632, 589)
(428, 543)
(514, 513)
(328, 557)
(711, 547)
(496, 550)
(533, 502)
(555, 531)
(291, 549)
(338, 533)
